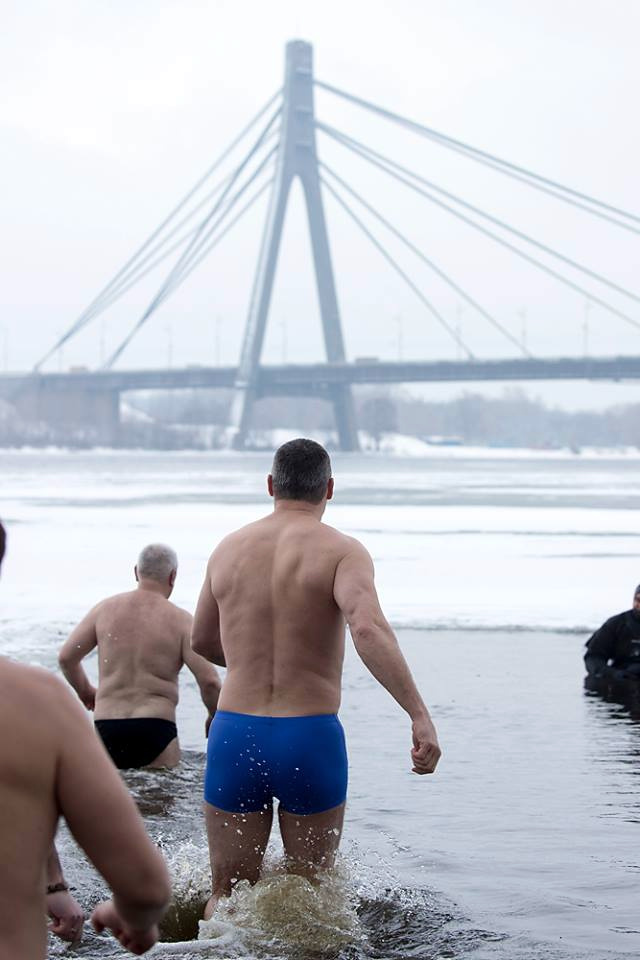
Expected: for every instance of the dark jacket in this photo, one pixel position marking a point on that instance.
(615, 647)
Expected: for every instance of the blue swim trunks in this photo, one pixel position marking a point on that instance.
(300, 760)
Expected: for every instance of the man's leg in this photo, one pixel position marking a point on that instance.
(311, 842)
(170, 756)
(237, 844)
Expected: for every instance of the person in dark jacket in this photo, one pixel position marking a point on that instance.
(614, 649)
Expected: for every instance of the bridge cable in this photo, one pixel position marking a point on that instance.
(216, 240)
(154, 235)
(349, 141)
(120, 286)
(594, 211)
(195, 254)
(505, 243)
(192, 247)
(476, 153)
(126, 284)
(484, 313)
(189, 267)
(450, 330)
(137, 272)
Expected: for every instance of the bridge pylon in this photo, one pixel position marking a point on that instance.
(297, 157)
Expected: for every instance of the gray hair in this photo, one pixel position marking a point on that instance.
(301, 471)
(156, 562)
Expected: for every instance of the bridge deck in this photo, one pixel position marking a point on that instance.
(321, 377)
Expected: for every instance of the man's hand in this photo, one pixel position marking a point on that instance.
(88, 697)
(66, 915)
(426, 750)
(106, 917)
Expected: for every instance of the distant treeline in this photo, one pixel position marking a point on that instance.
(198, 418)
(513, 419)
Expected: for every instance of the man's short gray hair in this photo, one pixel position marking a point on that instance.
(156, 562)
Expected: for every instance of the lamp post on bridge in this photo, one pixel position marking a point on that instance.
(585, 327)
(522, 313)
(5, 348)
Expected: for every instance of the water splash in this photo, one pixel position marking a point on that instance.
(289, 911)
(188, 866)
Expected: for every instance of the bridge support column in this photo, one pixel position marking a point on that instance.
(297, 157)
(73, 412)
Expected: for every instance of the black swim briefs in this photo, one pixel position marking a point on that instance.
(137, 741)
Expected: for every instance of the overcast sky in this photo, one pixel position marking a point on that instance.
(110, 112)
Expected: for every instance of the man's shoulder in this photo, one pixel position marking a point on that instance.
(344, 541)
(236, 538)
(34, 685)
(617, 620)
(42, 718)
(184, 616)
(263, 529)
(114, 600)
(26, 675)
(620, 617)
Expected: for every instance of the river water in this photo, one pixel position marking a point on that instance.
(493, 569)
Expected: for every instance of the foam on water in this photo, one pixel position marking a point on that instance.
(289, 910)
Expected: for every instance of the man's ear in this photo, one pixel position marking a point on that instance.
(172, 578)
(270, 485)
(330, 489)
(135, 573)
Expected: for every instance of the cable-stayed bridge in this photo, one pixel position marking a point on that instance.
(282, 147)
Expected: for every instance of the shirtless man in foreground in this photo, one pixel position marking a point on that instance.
(272, 610)
(143, 642)
(52, 764)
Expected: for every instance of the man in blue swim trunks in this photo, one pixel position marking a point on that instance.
(272, 609)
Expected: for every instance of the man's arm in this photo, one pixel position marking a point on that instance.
(600, 648)
(205, 673)
(107, 825)
(355, 593)
(205, 631)
(82, 640)
(65, 913)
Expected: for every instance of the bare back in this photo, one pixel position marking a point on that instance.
(28, 759)
(281, 631)
(53, 764)
(140, 637)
